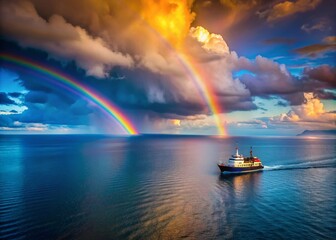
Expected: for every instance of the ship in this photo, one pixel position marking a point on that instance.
(237, 163)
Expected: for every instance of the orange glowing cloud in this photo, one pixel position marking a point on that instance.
(171, 19)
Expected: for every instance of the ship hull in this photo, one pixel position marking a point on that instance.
(224, 168)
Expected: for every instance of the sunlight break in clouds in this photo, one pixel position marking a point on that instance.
(172, 19)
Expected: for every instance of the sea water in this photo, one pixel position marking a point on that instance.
(164, 187)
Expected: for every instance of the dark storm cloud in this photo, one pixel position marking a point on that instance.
(143, 90)
(295, 98)
(36, 97)
(137, 89)
(15, 94)
(5, 100)
(54, 111)
(323, 74)
(322, 94)
(33, 83)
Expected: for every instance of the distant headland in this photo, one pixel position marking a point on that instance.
(318, 133)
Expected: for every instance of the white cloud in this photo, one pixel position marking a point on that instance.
(210, 41)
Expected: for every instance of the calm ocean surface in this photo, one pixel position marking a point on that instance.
(164, 187)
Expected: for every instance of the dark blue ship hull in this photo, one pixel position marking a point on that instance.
(224, 168)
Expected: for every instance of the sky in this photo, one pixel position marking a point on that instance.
(228, 67)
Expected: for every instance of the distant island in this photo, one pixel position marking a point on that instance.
(318, 133)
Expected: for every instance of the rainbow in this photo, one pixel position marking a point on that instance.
(74, 86)
(203, 87)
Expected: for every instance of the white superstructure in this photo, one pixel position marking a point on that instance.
(238, 160)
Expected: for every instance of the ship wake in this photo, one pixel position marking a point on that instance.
(325, 163)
